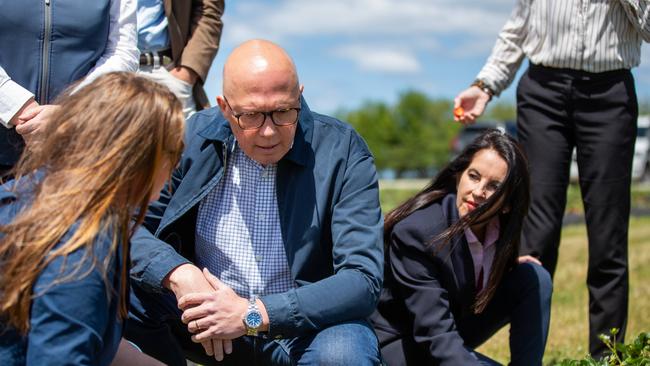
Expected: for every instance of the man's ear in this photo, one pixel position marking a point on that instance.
(222, 104)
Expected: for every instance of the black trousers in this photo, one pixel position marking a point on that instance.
(557, 110)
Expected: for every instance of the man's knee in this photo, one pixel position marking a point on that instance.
(352, 343)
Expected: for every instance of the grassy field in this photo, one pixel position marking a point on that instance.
(569, 323)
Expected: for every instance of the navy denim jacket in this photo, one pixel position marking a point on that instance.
(74, 322)
(331, 222)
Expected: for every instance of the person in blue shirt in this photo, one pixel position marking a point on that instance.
(66, 220)
(280, 206)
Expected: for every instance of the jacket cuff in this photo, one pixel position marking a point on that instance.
(282, 311)
(155, 272)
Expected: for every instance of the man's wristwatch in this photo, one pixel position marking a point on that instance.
(484, 87)
(252, 318)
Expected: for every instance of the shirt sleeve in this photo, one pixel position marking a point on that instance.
(12, 98)
(121, 52)
(69, 318)
(507, 54)
(205, 34)
(638, 13)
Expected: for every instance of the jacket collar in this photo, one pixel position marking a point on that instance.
(219, 130)
(461, 257)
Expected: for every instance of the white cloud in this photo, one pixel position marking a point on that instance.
(278, 20)
(372, 58)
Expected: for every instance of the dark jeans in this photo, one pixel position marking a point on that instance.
(558, 110)
(524, 300)
(154, 325)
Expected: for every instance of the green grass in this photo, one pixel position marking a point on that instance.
(569, 322)
(392, 194)
(569, 319)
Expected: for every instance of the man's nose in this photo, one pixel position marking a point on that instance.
(268, 128)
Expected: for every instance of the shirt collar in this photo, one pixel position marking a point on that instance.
(491, 233)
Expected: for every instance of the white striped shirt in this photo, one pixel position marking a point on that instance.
(587, 35)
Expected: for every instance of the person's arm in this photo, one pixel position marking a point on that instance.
(500, 68)
(507, 53)
(203, 41)
(68, 320)
(357, 254)
(416, 273)
(121, 52)
(14, 100)
(638, 13)
(153, 260)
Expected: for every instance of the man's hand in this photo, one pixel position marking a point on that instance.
(188, 279)
(528, 259)
(32, 121)
(30, 104)
(473, 101)
(218, 314)
(184, 73)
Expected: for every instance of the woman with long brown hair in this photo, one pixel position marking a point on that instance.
(453, 276)
(66, 220)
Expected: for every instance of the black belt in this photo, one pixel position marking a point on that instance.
(156, 58)
(576, 74)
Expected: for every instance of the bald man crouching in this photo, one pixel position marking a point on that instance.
(266, 248)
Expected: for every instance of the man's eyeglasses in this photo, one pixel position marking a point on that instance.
(255, 120)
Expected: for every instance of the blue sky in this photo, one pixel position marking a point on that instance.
(351, 51)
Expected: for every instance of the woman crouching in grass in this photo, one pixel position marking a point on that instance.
(66, 220)
(453, 276)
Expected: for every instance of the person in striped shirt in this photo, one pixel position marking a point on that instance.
(578, 91)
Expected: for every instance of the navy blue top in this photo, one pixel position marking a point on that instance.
(71, 323)
(331, 223)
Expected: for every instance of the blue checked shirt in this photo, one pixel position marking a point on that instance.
(238, 235)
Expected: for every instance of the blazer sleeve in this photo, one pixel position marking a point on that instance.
(205, 34)
(417, 273)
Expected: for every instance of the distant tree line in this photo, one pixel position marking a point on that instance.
(413, 135)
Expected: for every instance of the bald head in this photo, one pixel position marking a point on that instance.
(258, 65)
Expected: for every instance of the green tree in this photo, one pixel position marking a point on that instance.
(501, 111)
(412, 135)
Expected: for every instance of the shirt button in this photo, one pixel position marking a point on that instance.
(261, 217)
(265, 174)
(258, 258)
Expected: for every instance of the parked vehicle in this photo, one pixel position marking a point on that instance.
(641, 161)
(469, 133)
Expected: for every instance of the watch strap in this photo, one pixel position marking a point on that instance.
(484, 87)
(252, 307)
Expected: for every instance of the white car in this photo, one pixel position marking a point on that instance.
(641, 161)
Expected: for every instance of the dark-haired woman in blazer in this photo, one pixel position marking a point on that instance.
(453, 276)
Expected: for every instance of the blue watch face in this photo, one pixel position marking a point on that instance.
(254, 319)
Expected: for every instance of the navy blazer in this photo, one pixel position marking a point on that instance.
(427, 289)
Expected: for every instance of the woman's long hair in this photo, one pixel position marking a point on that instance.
(513, 194)
(100, 153)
